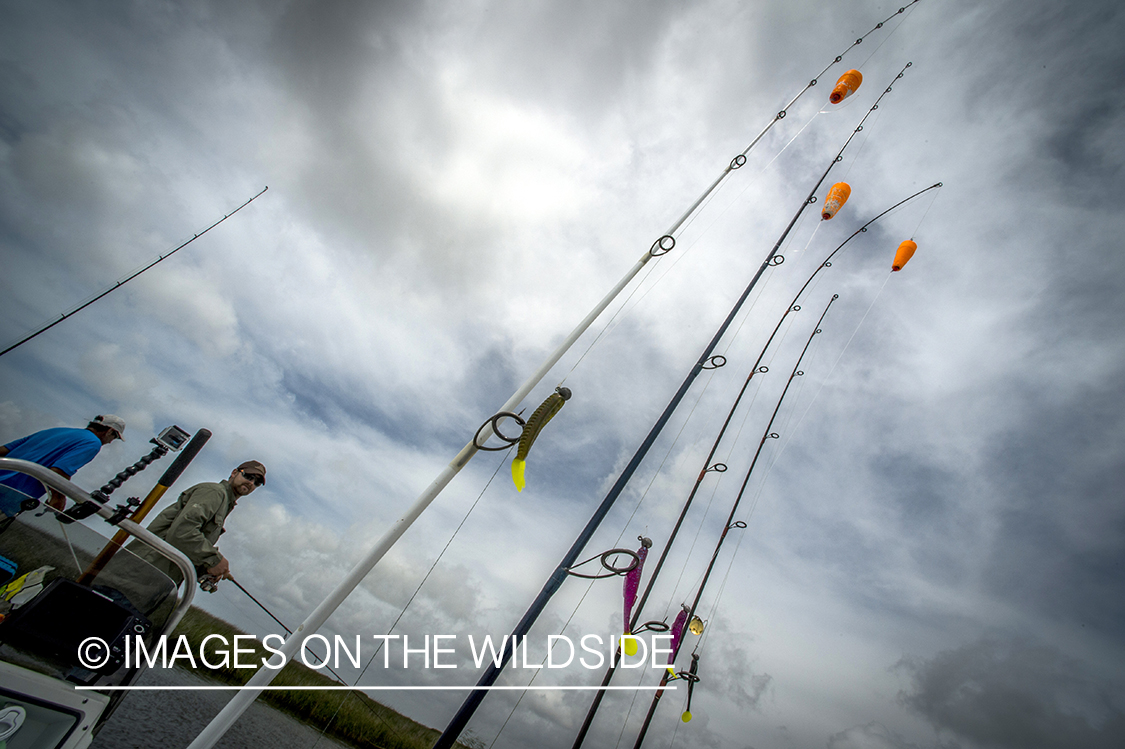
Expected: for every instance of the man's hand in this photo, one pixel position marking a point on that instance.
(57, 501)
(220, 570)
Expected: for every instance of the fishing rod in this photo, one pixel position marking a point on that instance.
(211, 582)
(740, 159)
(731, 523)
(708, 467)
(555, 581)
(288, 631)
(664, 244)
(126, 280)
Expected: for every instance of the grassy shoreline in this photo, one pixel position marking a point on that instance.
(359, 721)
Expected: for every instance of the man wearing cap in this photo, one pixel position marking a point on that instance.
(194, 522)
(64, 450)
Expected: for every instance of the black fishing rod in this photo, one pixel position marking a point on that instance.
(708, 467)
(288, 631)
(260, 605)
(126, 280)
(555, 581)
(731, 523)
(210, 583)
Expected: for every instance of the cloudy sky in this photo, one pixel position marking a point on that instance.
(934, 545)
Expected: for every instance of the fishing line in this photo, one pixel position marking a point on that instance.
(926, 213)
(781, 451)
(648, 271)
(731, 523)
(539, 670)
(785, 325)
(62, 527)
(622, 310)
(383, 640)
(757, 175)
(307, 647)
(472, 701)
(730, 450)
(811, 238)
(908, 10)
(629, 712)
(730, 342)
(745, 316)
(812, 282)
(833, 369)
(714, 491)
(535, 675)
(792, 433)
(699, 529)
(246, 615)
(445, 548)
(667, 453)
(773, 351)
(70, 546)
(863, 142)
(687, 557)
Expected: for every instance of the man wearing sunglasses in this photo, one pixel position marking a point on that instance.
(194, 522)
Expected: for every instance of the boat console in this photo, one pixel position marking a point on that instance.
(68, 624)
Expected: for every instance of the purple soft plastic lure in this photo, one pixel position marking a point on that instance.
(632, 582)
(677, 630)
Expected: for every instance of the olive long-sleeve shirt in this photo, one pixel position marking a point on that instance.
(193, 525)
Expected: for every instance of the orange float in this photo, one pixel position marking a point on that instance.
(905, 252)
(835, 199)
(846, 86)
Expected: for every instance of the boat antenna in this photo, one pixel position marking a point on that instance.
(128, 278)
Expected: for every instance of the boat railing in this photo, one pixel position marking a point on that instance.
(60, 554)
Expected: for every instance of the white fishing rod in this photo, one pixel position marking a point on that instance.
(238, 704)
(254, 687)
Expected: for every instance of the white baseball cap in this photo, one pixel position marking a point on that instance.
(116, 423)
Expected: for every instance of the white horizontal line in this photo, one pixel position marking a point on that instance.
(377, 689)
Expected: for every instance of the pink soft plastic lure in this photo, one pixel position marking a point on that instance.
(632, 582)
(677, 630)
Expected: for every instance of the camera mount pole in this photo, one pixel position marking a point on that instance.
(178, 465)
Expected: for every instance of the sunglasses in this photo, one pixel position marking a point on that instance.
(254, 478)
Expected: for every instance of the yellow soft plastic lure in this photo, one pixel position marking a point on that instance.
(546, 411)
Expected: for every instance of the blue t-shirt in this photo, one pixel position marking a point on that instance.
(65, 448)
